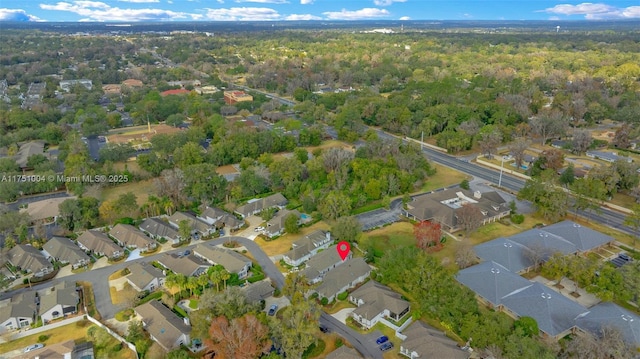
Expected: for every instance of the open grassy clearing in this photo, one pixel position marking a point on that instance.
(444, 177)
(141, 189)
(122, 296)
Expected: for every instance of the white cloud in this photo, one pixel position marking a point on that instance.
(306, 2)
(266, 1)
(366, 13)
(16, 15)
(298, 17)
(595, 11)
(99, 11)
(405, 18)
(242, 14)
(140, 1)
(386, 2)
(554, 18)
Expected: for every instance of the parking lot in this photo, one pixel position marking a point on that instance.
(380, 217)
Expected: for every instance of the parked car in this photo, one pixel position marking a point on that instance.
(324, 329)
(273, 309)
(382, 339)
(33, 347)
(386, 346)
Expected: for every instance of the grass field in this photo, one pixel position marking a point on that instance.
(141, 189)
(444, 177)
(122, 296)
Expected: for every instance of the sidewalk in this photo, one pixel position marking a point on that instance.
(25, 333)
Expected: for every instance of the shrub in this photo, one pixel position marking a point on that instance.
(343, 295)
(43, 338)
(464, 184)
(517, 218)
(324, 301)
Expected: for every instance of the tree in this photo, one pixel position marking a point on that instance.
(469, 218)
(428, 235)
(589, 194)
(127, 204)
(608, 343)
(184, 230)
(568, 175)
(171, 184)
(552, 159)
(527, 325)
(622, 139)
(537, 254)
(581, 141)
(490, 139)
(346, 229)
(240, 338)
(548, 124)
(291, 223)
(465, 255)
(334, 205)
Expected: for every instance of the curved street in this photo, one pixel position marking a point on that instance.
(99, 278)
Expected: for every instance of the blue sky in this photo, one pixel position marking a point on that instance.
(280, 10)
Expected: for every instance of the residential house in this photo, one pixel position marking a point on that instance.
(258, 291)
(67, 85)
(18, 311)
(322, 263)
(344, 352)
(344, 277)
(30, 260)
(607, 314)
(232, 261)
(608, 156)
(491, 282)
(63, 250)
(257, 205)
(132, 83)
(175, 92)
(156, 228)
(27, 150)
(198, 227)
(307, 247)
(145, 277)
(376, 301)
(233, 97)
(423, 341)
(45, 211)
(218, 218)
(182, 84)
(190, 266)
(443, 207)
(276, 225)
(58, 301)
(554, 313)
(100, 244)
(112, 89)
(64, 350)
(130, 237)
(163, 325)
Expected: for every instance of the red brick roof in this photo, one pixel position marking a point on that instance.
(174, 92)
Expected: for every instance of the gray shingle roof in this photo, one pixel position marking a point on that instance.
(159, 228)
(610, 314)
(130, 236)
(257, 205)
(542, 239)
(28, 258)
(20, 305)
(230, 260)
(344, 352)
(377, 298)
(342, 276)
(553, 312)
(258, 291)
(195, 223)
(63, 293)
(188, 265)
(430, 343)
(306, 244)
(141, 274)
(99, 242)
(65, 250)
(491, 281)
(583, 238)
(506, 252)
(321, 262)
(162, 323)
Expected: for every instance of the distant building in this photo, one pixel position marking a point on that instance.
(132, 83)
(198, 227)
(218, 218)
(175, 92)
(45, 211)
(232, 97)
(257, 205)
(112, 89)
(608, 156)
(182, 84)
(67, 85)
(27, 150)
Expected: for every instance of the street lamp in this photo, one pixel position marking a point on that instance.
(501, 169)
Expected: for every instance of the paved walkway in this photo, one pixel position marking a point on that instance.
(568, 289)
(343, 314)
(26, 333)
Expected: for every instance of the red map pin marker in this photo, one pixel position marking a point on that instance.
(343, 249)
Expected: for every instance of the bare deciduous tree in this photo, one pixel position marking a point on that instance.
(334, 158)
(469, 218)
(517, 148)
(171, 184)
(465, 255)
(581, 141)
(242, 338)
(608, 344)
(537, 254)
(489, 142)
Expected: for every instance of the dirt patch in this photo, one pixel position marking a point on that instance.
(226, 170)
(575, 294)
(140, 134)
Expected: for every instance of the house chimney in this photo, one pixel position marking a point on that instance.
(477, 194)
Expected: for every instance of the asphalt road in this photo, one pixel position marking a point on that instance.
(604, 216)
(99, 279)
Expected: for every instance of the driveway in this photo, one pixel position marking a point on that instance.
(343, 314)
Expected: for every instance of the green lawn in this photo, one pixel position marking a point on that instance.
(396, 235)
(444, 177)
